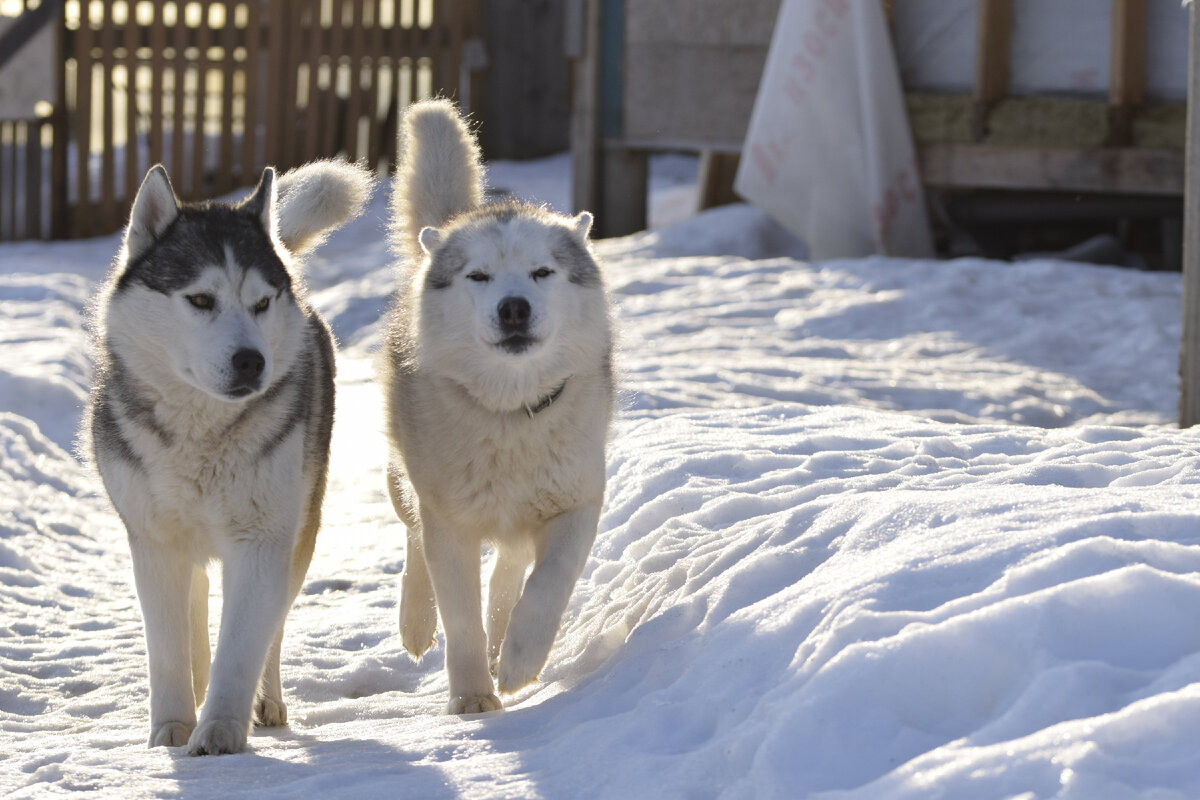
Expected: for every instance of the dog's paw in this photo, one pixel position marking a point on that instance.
(170, 734)
(473, 704)
(270, 713)
(522, 657)
(417, 629)
(217, 737)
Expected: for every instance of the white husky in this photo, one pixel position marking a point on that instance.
(499, 392)
(210, 424)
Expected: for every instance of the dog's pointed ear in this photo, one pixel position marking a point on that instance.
(429, 238)
(583, 225)
(262, 202)
(154, 209)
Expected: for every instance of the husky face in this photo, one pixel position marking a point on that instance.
(205, 297)
(513, 294)
(229, 322)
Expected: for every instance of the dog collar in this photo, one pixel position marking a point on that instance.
(545, 402)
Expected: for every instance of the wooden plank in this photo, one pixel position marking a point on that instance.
(226, 166)
(198, 187)
(106, 214)
(272, 103)
(158, 72)
(450, 29)
(1127, 78)
(33, 178)
(1189, 348)
(332, 109)
(81, 216)
(357, 52)
(132, 145)
(375, 129)
(60, 209)
(1115, 169)
(252, 96)
(8, 179)
(312, 111)
(993, 35)
(179, 93)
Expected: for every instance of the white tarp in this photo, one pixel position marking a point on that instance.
(828, 152)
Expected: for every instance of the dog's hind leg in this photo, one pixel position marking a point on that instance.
(255, 584)
(201, 652)
(163, 575)
(269, 708)
(535, 620)
(418, 608)
(508, 576)
(453, 558)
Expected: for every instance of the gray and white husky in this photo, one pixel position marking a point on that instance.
(499, 393)
(210, 422)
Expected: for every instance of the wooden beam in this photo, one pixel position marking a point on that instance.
(1105, 169)
(1189, 348)
(715, 181)
(1127, 76)
(993, 38)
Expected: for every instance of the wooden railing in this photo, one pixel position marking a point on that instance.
(215, 90)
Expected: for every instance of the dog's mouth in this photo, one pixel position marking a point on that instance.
(239, 393)
(516, 343)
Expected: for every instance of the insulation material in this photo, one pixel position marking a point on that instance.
(1059, 47)
(828, 152)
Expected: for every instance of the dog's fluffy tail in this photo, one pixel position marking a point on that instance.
(439, 173)
(315, 199)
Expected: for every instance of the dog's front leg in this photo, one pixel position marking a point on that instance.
(562, 555)
(453, 559)
(163, 576)
(255, 588)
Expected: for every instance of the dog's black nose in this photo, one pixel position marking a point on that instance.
(514, 313)
(248, 365)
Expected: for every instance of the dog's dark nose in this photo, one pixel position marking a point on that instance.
(514, 313)
(248, 366)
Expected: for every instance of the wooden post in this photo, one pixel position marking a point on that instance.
(1127, 73)
(993, 36)
(1189, 349)
(584, 21)
(715, 181)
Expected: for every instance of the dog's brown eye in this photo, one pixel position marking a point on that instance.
(541, 272)
(479, 277)
(202, 301)
(261, 305)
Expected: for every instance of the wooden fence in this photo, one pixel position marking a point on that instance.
(215, 90)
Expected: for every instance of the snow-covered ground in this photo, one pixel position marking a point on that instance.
(874, 529)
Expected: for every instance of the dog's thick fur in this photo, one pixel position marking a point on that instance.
(209, 424)
(499, 390)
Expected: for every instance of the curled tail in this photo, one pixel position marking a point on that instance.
(439, 173)
(317, 198)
